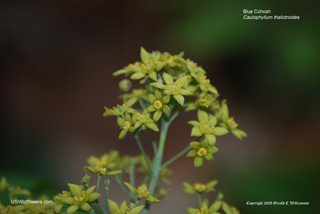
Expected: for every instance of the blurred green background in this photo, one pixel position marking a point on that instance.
(56, 62)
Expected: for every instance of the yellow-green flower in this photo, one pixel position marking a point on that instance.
(207, 127)
(158, 104)
(3, 184)
(205, 209)
(143, 119)
(101, 165)
(123, 209)
(119, 110)
(79, 198)
(175, 88)
(200, 151)
(199, 187)
(229, 209)
(131, 98)
(126, 124)
(227, 122)
(142, 193)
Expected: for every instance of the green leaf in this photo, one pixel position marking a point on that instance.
(196, 132)
(144, 55)
(202, 116)
(72, 209)
(198, 161)
(137, 75)
(136, 210)
(192, 153)
(74, 189)
(152, 199)
(219, 131)
(179, 98)
(86, 207)
(167, 78)
(152, 126)
(113, 206)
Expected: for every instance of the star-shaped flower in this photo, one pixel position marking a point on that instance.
(200, 151)
(158, 104)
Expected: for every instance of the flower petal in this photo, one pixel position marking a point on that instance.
(153, 126)
(152, 98)
(194, 144)
(144, 55)
(74, 189)
(211, 139)
(166, 99)
(137, 75)
(167, 78)
(72, 209)
(198, 161)
(202, 116)
(219, 131)
(157, 85)
(136, 210)
(158, 95)
(157, 114)
(196, 132)
(86, 207)
(113, 206)
(93, 196)
(192, 153)
(179, 98)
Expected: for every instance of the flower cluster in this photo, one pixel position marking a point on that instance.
(76, 199)
(161, 85)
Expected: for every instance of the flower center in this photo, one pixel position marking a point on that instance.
(231, 123)
(199, 187)
(142, 193)
(126, 125)
(202, 211)
(207, 127)
(80, 198)
(203, 99)
(202, 152)
(157, 104)
(143, 118)
(174, 87)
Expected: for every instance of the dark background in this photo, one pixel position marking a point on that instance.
(57, 59)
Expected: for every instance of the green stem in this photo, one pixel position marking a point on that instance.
(157, 161)
(135, 204)
(132, 175)
(98, 183)
(185, 150)
(101, 208)
(154, 142)
(106, 188)
(200, 199)
(120, 182)
(143, 152)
